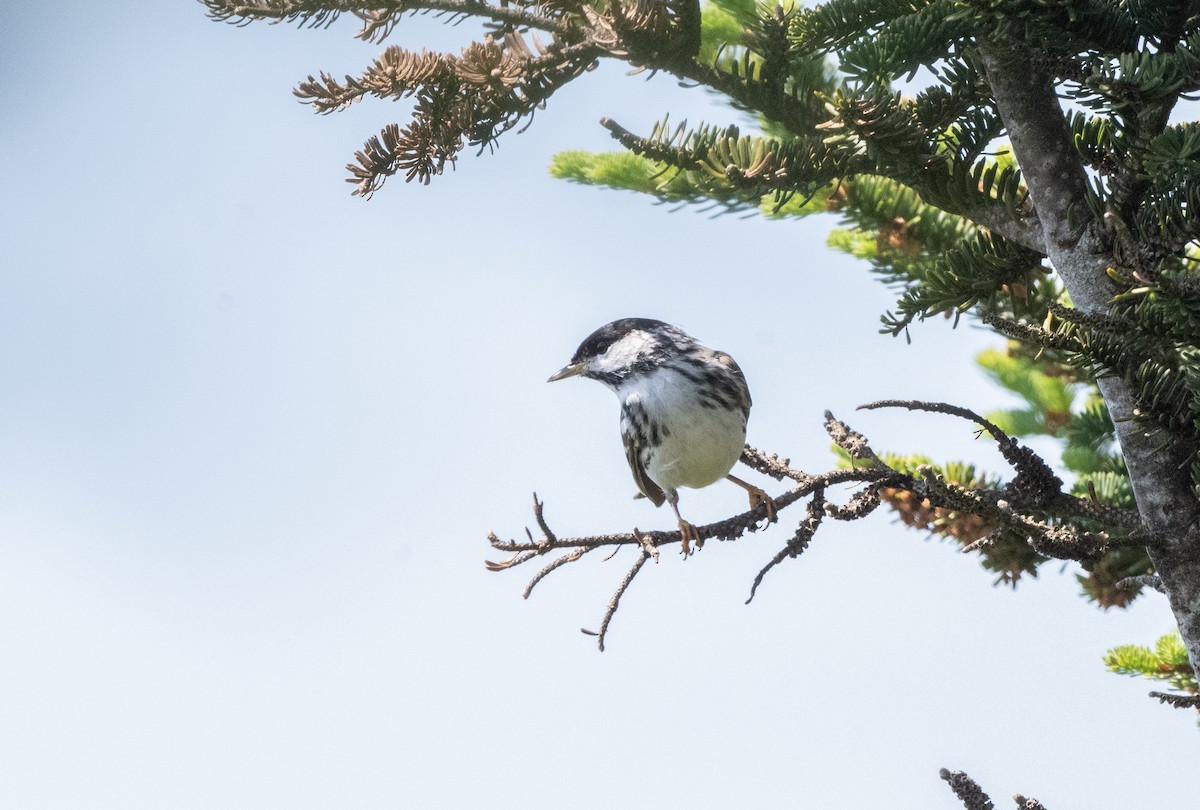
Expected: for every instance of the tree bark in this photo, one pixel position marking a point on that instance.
(1075, 244)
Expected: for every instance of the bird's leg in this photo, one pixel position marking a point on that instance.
(687, 532)
(757, 497)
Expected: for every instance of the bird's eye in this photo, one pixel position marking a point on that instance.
(595, 346)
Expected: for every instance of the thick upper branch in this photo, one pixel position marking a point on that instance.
(1041, 141)
(1026, 231)
(1076, 246)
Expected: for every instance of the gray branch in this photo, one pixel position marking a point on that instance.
(1026, 231)
(1076, 246)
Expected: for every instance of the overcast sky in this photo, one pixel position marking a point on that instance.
(254, 432)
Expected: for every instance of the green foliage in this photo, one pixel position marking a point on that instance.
(1172, 165)
(627, 171)
(943, 263)
(1166, 661)
(971, 274)
(723, 24)
(621, 170)
(914, 220)
(909, 42)
(724, 28)
(1049, 397)
(829, 27)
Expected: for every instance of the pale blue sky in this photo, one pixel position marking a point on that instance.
(253, 433)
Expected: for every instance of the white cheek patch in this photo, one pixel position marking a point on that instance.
(624, 352)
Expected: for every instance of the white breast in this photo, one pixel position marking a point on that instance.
(698, 446)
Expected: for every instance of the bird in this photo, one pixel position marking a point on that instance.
(684, 408)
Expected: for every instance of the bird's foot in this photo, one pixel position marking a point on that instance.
(515, 559)
(758, 497)
(689, 535)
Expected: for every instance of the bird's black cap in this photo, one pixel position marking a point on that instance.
(598, 342)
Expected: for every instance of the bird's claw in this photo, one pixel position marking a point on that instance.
(759, 498)
(500, 566)
(688, 534)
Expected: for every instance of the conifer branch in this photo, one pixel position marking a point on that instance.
(1025, 231)
(377, 23)
(650, 149)
(1058, 189)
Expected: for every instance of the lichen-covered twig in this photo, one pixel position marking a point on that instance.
(1036, 487)
(799, 541)
(967, 790)
(1142, 580)
(972, 796)
(1178, 701)
(1031, 506)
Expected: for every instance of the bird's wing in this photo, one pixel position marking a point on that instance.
(633, 455)
(743, 390)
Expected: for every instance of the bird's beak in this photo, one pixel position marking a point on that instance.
(569, 371)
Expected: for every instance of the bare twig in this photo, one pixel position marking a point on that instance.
(561, 561)
(538, 515)
(729, 529)
(616, 600)
(939, 407)
(987, 540)
(1033, 474)
(807, 486)
(514, 560)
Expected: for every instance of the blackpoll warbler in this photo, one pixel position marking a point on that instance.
(683, 409)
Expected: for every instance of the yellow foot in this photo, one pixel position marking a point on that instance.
(760, 498)
(689, 535)
(757, 498)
